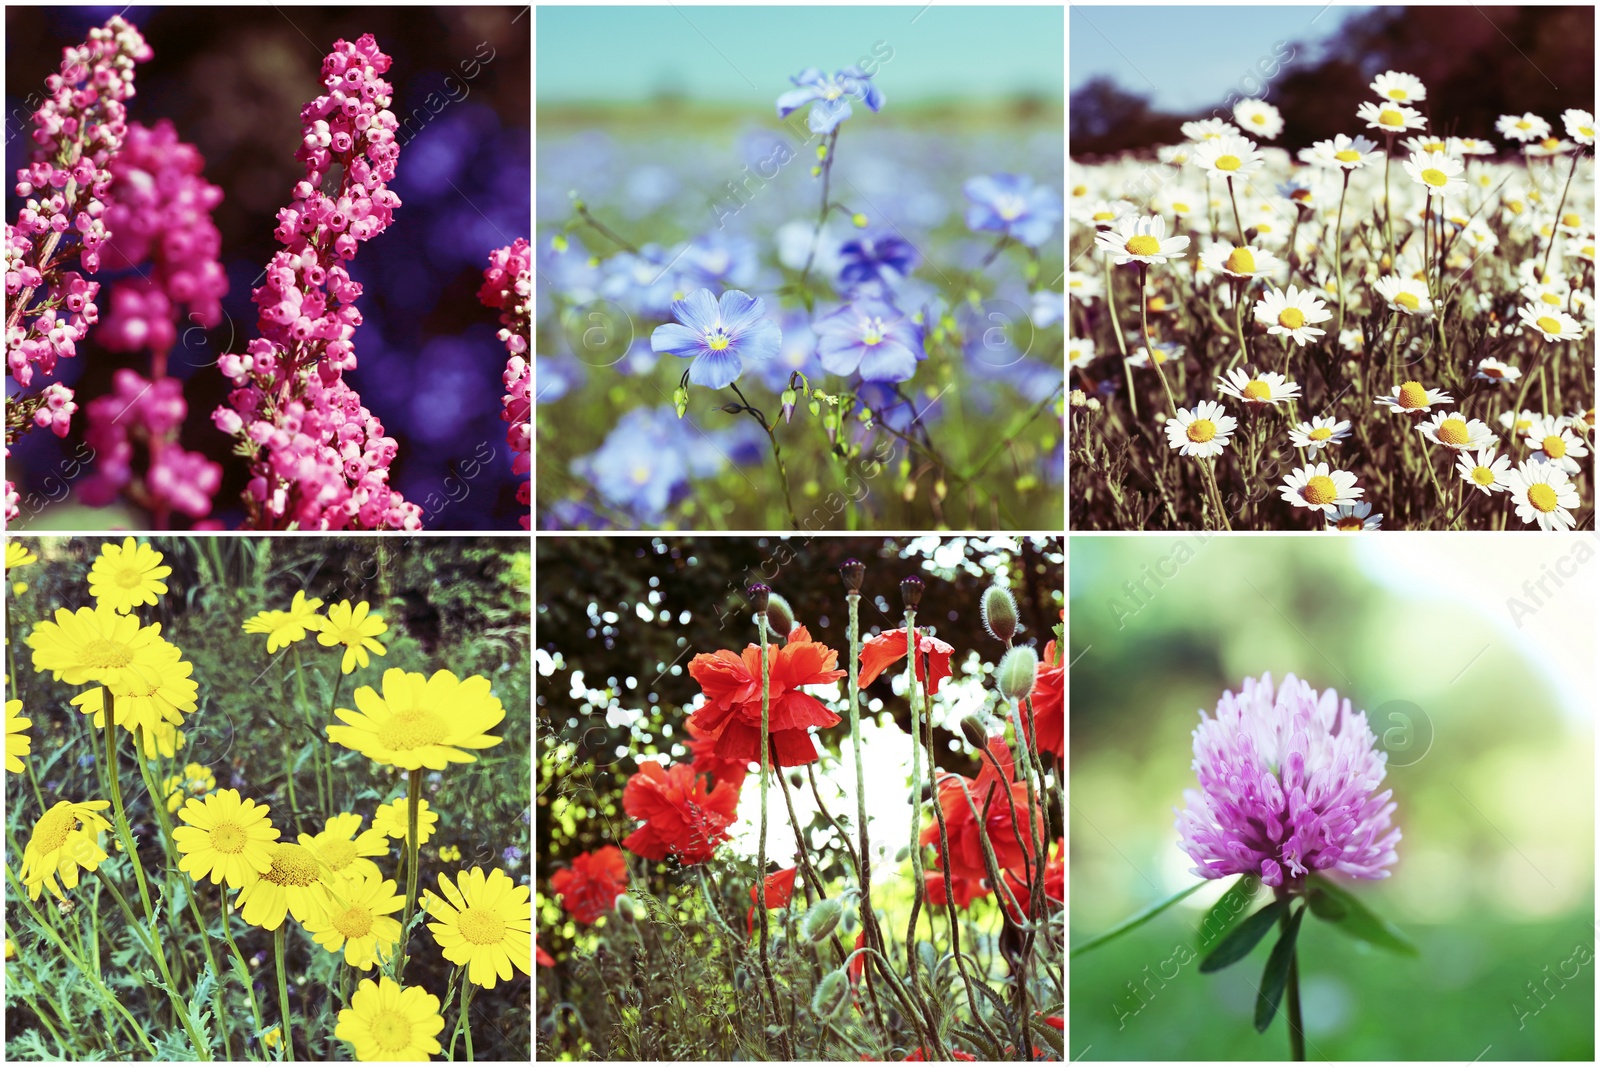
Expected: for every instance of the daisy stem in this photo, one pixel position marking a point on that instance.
(1238, 325)
(463, 1022)
(1433, 476)
(1559, 207)
(1149, 345)
(242, 970)
(1388, 218)
(130, 849)
(1236, 221)
(1122, 346)
(761, 848)
(413, 802)
(283, 991)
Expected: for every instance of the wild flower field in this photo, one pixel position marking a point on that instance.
(266, 800)
(766, 833)
(1392, 328)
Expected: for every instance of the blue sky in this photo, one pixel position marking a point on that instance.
(1190, 57)
(748, 53)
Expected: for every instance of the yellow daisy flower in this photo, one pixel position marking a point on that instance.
(273, 1037)
(18, 555)
(343, 847)
(449, 854)
(18, 743)
(225, 837)
(293, 884)
(386, 1021)
(358, 920)
(11, 950)
(196, 779)
(420, 721)
(126, 577)
(353, 628)
(391, 820)
(484, 925)
(158, 690)
(163, 739)
(64, 839)
(93, 646)
(284, 628)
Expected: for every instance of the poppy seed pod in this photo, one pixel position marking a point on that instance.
(999, 613)
(780, 616)
(976, 733)
(911, 592)
(1016, 672)
(832, 995)
(820, 920)
(759, 596)
(854, 573)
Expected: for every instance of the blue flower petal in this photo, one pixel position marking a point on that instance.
(698, 310)
(739, 310)
(796, 98)
(716, 370)
(827, 114)
(809, 76)
(872, 96)
(890, 361)
(676, 339)
(762, 341)
(840, 355)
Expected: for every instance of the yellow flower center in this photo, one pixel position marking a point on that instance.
(1142, 245)
(353, 922)
(1413, 395)
(392, 1031)
(228, 838)
(1407, 300)
(641, 474)
(1349, 524)
(1548, 325)
(1453, 432)
(1241, 261)
(337, 854)
(1157, 303)
(1293, 318)
(293, 865)
(1587, 131)
(1349, 155)
(105, 655)
(1256, 389)
(414, 728)
(1321, 433)
(1080, 190)
(1202, 430)
(1433, 146)
(481, 927)
(1320, 490)
(1228, 163)
(1391, 117)
(1571, 218)
(51, 832)
(1104, 216)
(1483, 475)
(1397, 94)
(1550, 298)
(1181, 208)
(128, 577)
(1524, 124)
(717, 340)
(1259, 119)
(1435, 178)
(1549, 144)
(1554, 447)
(1542, 496)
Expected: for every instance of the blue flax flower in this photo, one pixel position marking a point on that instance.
(646, 462)
(882, 257)
(871, 336)
(1012, 204)
(719, 335)
(832, 93)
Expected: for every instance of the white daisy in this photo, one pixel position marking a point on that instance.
(1137, 239)
(1472, 146)
(1398, 87)
(1436, 172)
(1551, 442)
(1166, 352)
(1319, 433)
(1572, 223)
(1493, 370)
(1202, 431)
(1581, 248)
(1351, 340)
(1320, 488)
(1485, 472)
(1456, 430)
(1542, 493)
(1291, 314)
(1582, 421)
(1551, 292)
(1528, 127)
(1175, 154)
(1080, 353)
(1103, 213)
(1551, 323)
(1430, 143)
(1268, 387)
(1546, 147)
(1353, 518)
(1084, 287)
(1229, 156)
(1238, 261)
(1410, 398)
(1520, 423)
(1258, 117)
(1179, 202)
(1209, 129)
(1579, 124)
(1406, 295)
(1391, 118)
(1342, 152)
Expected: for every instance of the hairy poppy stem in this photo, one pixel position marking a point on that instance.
(761, 858)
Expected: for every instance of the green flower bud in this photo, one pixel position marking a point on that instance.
(559, 242)
(780, 616)
(627, 910)
(1016, 672)
(999, 613)
(820, 920)
(976, 733)
(832, 996)
(859, 221)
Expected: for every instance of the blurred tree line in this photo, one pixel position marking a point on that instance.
(1478, 63)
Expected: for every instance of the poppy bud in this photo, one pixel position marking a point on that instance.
(911, 592)
(848, 918)
(759, 596)
(780, 616)
(976, 733)
(820, 920)
(832, 995)
(1016, 672)
(741, 979)
(999, 613)
(627, 911)
(854, 573)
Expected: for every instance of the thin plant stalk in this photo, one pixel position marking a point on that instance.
(916, 795)
(413, 802)
(1149, 345)
(1297, 1036)
(761, 849)
(1239, 223)
(285, 1019)
(1338, 248)
(244, 970)
(1545, 269)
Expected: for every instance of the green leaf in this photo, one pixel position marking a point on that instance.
(1357, 920)
(1237, 945)
(1276, 976)
(1228, 910)
(1136, 921)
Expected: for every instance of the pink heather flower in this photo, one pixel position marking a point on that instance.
(508, 285)
(150, 413)
(1287, 786)
(319, 460)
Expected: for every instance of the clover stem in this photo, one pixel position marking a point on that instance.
(1297, 1037)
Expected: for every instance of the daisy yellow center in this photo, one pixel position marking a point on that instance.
(1554, 447)
(104, 655)
(1587, 131)
(1104, 216)
(1158, 303)
(1483, 475)
(1453, 432)
(1548, 325)
(52, 830)
(1350, 524)
(1320, 490)
(391, 1030)
(1256, 389)
(1549, 144)
(1349, 155)
(1263, 227)
(1241, 261)
(1292, 318)
(1433, 146)
(228, 838)
(481, 926)
(1435, 178)
(1542, 496)
(1413, 395)
(1321, 433)
(1143, 245)
(1228, 163)
(1201, 430)
(1524, 124)
(1080, 190)
(1570, 219)
(1259, 119)
(414, 728)
(1397, 94)
(293, 866)
(1550, 298)
(1184, 208)
(1391, 117)
(338, 854)
(1407, 300)
(353, 922)
(132, 578)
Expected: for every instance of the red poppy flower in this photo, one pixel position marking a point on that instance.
(997, 799)
(706, 761)
(889, 647)
(591, 886)
(858, 966)
(1049, 723)
(1056, 1021)
(966, 889)
(732, 711)
(540, 956)
(779, 888)
(684, 814)
(1055, 881)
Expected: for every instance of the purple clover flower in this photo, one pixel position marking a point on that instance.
(1012, 204)
(883, 257)
(1287, 787)
(873, 337)
(719, 335)
(832, 93)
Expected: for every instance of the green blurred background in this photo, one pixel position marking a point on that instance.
(1473, 657)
